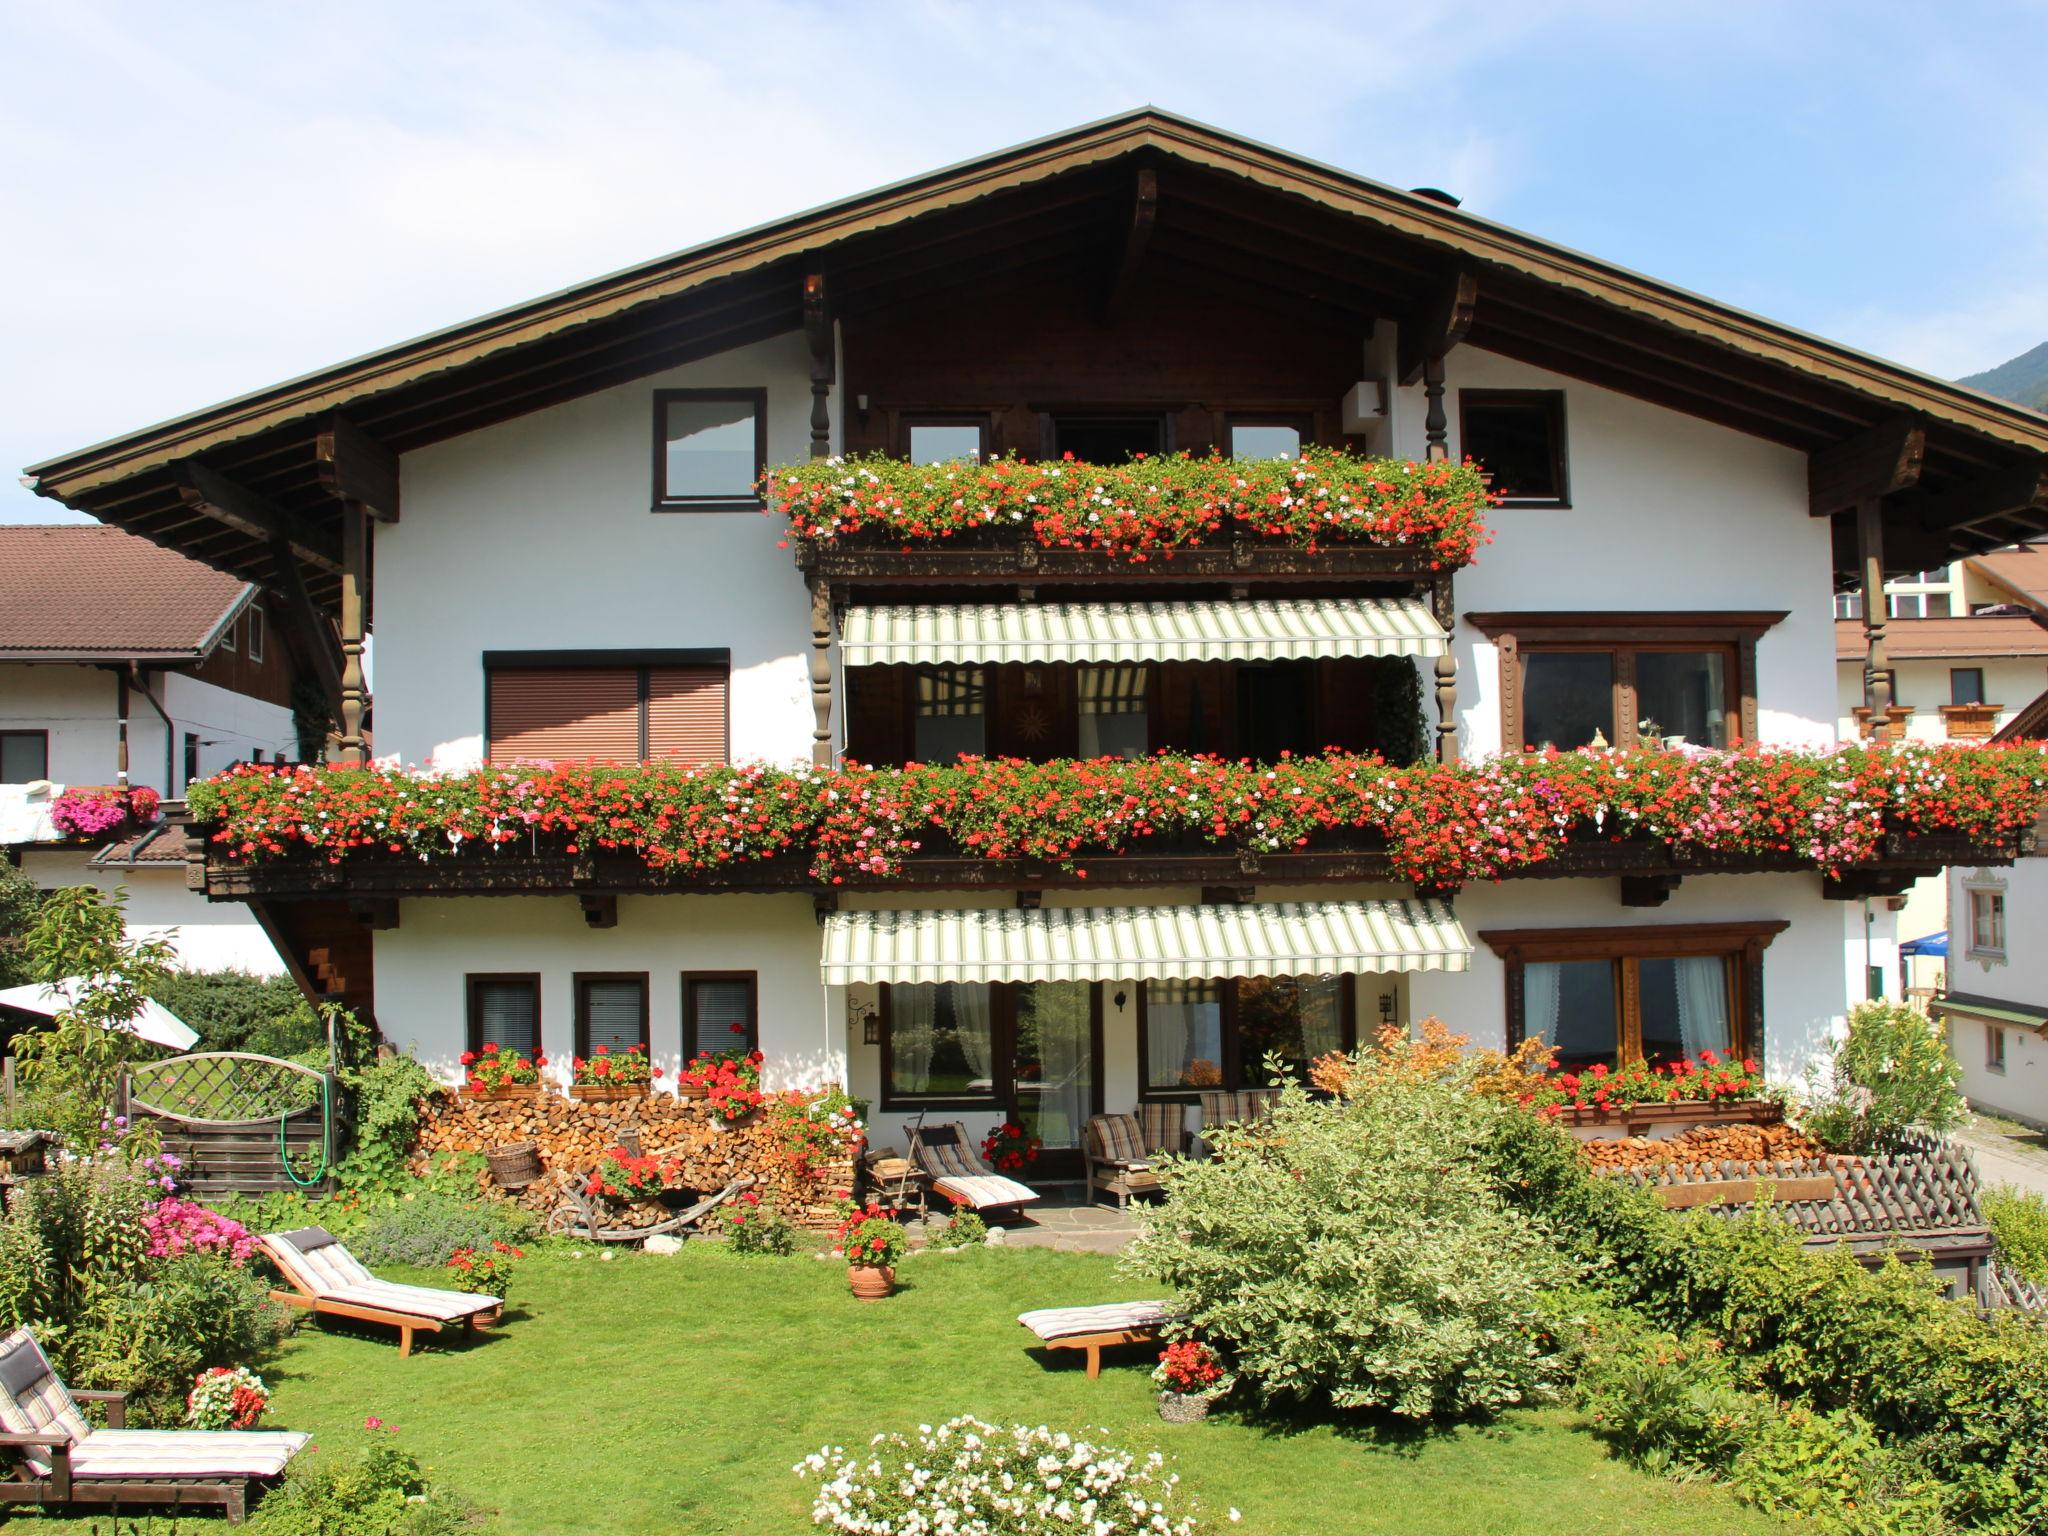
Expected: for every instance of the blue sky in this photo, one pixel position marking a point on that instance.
(206, 198)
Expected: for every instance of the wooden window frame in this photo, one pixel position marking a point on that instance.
(1552, 400)
(1994, 1048)
(1983, 695)
(1303, 422)
(982, 421)
(1741, 944)
(1002, 1024)
(473, 1031)
(692, 1046)
(254, 633)
(41, 735)
(663, 398)
(643, 661)
(1233, 1046)
(1989, 894)
(1049, 423)
(1624, 635)
(580, 983)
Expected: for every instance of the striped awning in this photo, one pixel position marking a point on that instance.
(1177, 943)
(1271, 629)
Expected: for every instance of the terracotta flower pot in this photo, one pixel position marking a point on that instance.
(606, 1093)
(871, 1282)
(1183, 1407)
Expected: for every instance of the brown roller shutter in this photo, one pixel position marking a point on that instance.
(686, 713)
(565, 714)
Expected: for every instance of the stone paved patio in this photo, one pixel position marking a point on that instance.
(1067, 1223)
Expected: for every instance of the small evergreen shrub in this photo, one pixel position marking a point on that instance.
(368, 1488)
(236, 1011)
(1892, 1073)
(2019, 1225)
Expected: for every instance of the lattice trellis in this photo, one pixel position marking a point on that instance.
(223, 1088)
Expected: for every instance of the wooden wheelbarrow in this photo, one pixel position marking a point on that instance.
(577, 1215)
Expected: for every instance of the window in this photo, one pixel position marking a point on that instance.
(941, 439)
(191, 759)
(1987, 923)
(1273, 437)
(1030, 1050)
(1115, 719)
(1276, 709)
(950, 717)
(24, 756)
(1919, 605)
(1217, 1034)
(504, 1010)
(1107, 439)
(720, 1012)
(256, 634)
(710, 447)
(1626, 679)
(1848, 605)
(1994, 1048)
(1517, 435)
(939, 1043)
(1966, 685)
(1611, 995)
(606, 706)
(611, 1011)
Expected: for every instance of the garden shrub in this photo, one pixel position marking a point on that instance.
(2019, 1224)
(371, 1488)
(752, 1227)
(385, 1095)
(1892, 1073)
(427, 1230)
(20, 899)
(965, 1227)
(1353, 1251)
(237, 1011)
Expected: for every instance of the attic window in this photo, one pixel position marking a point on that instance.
(710, 448)
(1517, 435)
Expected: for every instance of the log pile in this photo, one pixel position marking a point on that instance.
(1702, 1144)
(572, 1135)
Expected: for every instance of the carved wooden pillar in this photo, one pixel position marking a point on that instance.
(1435, 425)
(355, 584)
(818, 331)
(821, 673)
(1877, 677)
(1445, 612)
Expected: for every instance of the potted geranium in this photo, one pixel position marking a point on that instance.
(1009, 1148)
(622, 1176)
(483, 1271)
(226, 1397)
(496, 1073)
(1189, 1378)
(1708, 1088)
(609, 1074)
(728, 1081)
(871, 1243)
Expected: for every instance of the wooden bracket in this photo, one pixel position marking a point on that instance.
(1137, 235)
(377, 913)
(1439, 328)
(354, 466)
(1647, 890)
(2018, 493)
(1030, 901)
(824, 903)
(1881, 461)
(1869, 884)
(1229, 895)
(212, 493)
(599, 911)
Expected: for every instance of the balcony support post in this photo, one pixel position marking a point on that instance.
(355, 595)
(818, 334)
(1444, 610)
(1877, 676)
(821, 673)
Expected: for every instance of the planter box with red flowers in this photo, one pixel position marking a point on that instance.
(729, 1083)
(1707, 1090)
(609, 1074)
(501, 1074)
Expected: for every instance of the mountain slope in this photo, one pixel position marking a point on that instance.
(2024, 378)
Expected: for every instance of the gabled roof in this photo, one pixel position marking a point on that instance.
(2022, 571)
(1324, 241)
(2030, 724)
(83, 593)
(2002, 634)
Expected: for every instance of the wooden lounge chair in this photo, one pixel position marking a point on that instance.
(1117, 1150)
(60, 1459)
(1097, 1328)
(956, 1171)
(328, 1280)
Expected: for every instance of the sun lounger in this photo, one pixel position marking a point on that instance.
(957, 1171)
(330, 1281)
(1096, 1328)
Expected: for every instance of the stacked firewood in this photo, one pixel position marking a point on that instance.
(1702, 1144)
(573, 1134)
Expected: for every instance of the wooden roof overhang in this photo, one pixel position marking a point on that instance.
(240, 483)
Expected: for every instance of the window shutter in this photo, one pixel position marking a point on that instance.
(508, 1016)
(717, 1005)
(686, 713)
(565, 714)
(613, 1014)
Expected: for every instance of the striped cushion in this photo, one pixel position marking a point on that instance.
(985, 1191)
(1114, 1317)
(1246, 1105)
(319, 1270)
(419, 1300)
(1163, 1127)
(945, 1149)
(1115, 1139)
(32, 1399)
(185, 1453)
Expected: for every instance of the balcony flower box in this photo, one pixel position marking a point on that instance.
(606, 1076)
(607, 1093)
(1683, 1112)
(1970, 722)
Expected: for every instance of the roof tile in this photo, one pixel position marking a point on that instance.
(91, 590)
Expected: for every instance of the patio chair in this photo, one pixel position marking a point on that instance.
(328, 1280)
(1117, 1149)
(60, 1459)
(956, 1171)
(1247, 1106)
(1097, 1328)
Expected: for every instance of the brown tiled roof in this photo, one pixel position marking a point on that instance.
(2023, 570)
(1999, 634)
(2030, 724)
(154, 844)
(93, 592)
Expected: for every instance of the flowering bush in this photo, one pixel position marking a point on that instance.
(492, 1068)
(1711, 1077)
(621, 1176)
(967, 1475)
(88, 815)
(870, 1236)
(226, 1397)
(483, 1271)
(1009, 1147)
(606, 1068)
(1440, 823)
(1145, 508)
(179, 1226)
(821, 1127)
(1191, 1368)
(752, 1227)
(729, 1080)
(1891, 1073)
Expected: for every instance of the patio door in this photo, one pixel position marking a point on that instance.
(1055, 1048)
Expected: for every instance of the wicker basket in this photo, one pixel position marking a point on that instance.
(516, 1166)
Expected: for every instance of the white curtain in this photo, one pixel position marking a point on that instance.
(910, 1037)
(970, 1027)
(1055, 1016)
(1542, 995)
(1702, 982)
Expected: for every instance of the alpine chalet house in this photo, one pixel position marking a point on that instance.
(1151, 841)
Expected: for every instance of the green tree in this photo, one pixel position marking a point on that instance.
(19, 901)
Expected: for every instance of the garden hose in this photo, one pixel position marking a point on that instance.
(284, 1152)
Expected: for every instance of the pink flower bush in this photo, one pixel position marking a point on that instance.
(95, 815)
(179, 1226)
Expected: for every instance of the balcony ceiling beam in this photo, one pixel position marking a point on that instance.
(1131, 250)
(1877, 462)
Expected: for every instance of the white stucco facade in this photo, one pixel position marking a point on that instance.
(203, 935)
(2011, 682)
(2014, 974)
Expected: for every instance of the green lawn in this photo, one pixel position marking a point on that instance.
(655, 1394)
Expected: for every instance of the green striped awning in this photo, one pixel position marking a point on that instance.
(1154, 943)
(1992, 1009)
(1271, 629)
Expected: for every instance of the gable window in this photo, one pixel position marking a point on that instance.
(1115, 717)
(710, 448)
(1613, 995)
(1848, 605)
(24, 756)
(606, 706)
(504, 1010)
(1107, 438)
(1966, 685)
(256, 634)
(1265, 437)
(942, 439)
(1517, 435)
(950, 714)
(1569, 680)
(1987, 923)
(720, 1012)
(611, 1011)
(1196, 1035)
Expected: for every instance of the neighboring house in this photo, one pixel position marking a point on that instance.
(126, 664)
(581, 569)
(1996, 999)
